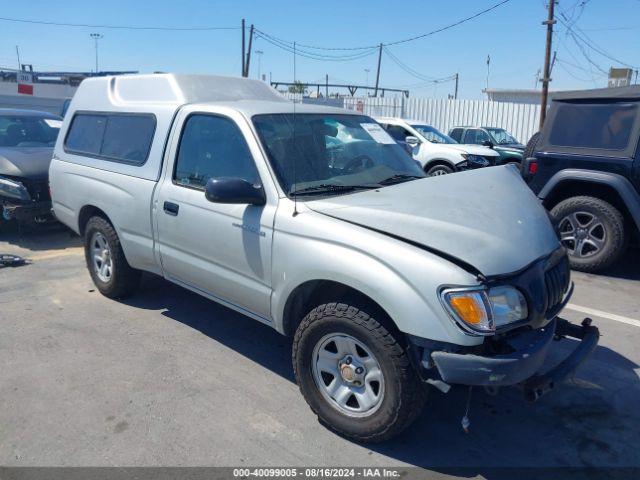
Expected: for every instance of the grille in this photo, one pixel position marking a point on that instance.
(556, 281)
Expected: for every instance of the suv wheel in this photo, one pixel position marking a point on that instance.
(354, 373)
(592, 230)
(106, 262)
(438, 170)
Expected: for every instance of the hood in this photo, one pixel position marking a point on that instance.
(471, 149)
(487, 218)
(512, 146)
(25, 162)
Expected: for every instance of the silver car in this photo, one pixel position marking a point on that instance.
(317, 223)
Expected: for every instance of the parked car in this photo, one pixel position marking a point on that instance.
(585, 166)
(436, 152)
(314, 221)
(509, 149)
(27, 138)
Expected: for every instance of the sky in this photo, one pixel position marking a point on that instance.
(512, 35)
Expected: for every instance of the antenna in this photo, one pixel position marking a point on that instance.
(295, 197)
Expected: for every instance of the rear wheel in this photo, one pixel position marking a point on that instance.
(592, 230)
(109, 269)
(354, 373)
(437, 170)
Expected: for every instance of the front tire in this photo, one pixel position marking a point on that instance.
(592, 230)
(109, 269)
(355, 374)
(438, 170)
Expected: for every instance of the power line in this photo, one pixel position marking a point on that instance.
(121, 27)
(405, 40)
(425, 79)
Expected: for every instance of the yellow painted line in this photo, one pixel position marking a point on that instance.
(601, 314)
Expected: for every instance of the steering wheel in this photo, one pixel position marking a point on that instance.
(362, 161)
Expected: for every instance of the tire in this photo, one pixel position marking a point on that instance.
(592, 230)
(530, 149)
(400, 395)
(122, 280)
(439, 169)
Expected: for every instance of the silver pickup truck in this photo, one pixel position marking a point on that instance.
(314, 221)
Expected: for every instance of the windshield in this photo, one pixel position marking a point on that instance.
(28, 131)
(433, 134)
(332, 154)
(501, 136)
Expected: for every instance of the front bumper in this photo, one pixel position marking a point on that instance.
(28, 212)
(522, 356)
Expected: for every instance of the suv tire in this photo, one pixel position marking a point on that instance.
(592, 230)
(439, 169)
(109, 269)
(379, 390)
(531, 146)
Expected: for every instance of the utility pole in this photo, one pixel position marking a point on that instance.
(326, 86)
(248, 64)
(455, 92)
(243, 48)
(96, 37)
(18, 55)
(546, 77)
(375, 94)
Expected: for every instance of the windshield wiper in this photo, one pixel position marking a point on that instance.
(330, 188)
(399, 178)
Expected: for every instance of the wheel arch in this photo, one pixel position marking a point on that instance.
(86, 213)
(610, 187)
(312, 293)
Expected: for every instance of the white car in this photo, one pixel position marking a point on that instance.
(438, 153)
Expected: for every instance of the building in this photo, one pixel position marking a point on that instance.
(45, 91)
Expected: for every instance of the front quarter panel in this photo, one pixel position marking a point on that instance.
(403, 279)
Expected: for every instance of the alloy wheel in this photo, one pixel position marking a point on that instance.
(582, 233)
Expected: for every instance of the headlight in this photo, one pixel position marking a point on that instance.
(480, 311)
(13, 189)
(470, 308)
(508, 305)
(476, 160)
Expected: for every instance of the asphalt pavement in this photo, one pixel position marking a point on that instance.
(168, 378)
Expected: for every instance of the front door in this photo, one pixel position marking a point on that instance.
(222, 250)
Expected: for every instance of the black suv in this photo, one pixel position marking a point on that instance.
(585, 167)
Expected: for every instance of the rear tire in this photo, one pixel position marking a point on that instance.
(437, 170)
(108, 267)
(592, 230)
(338, 337)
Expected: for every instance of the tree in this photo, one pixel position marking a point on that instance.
(297, 87)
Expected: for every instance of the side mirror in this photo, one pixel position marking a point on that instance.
(488, 143)
(233, 190)
(412, 141)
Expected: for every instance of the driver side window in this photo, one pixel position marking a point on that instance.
(398, 133)
(475, 136)
(212, 146)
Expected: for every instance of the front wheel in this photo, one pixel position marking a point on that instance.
(438, 170)
(355, 374)
(592, 230)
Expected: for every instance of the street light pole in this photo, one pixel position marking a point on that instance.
(96, 37)
(259, 53)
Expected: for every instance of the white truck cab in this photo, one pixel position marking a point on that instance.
(438, 153)
(314, 221)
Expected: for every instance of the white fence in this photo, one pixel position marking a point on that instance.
(521, 120)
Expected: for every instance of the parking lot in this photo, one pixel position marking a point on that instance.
(170, 378)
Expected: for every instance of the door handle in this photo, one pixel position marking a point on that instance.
(171, 208)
